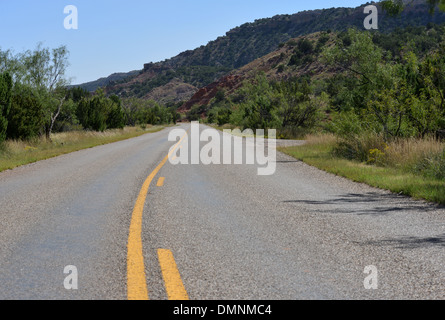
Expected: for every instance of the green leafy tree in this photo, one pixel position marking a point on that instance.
(77, 93)
(99, 112)
(45, 72)
(257, 110)
(219, 115)
(116, 118)
(380, 91)
(11, 64)
(395, 7)
(365, 65)
(397, 98)
(67, 120)
(5, 103)
(26, 116)
(143, 112)
(131, 107)
(93, 112)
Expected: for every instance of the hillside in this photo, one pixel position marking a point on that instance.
(103, 82)
(242, 45)
(301, 58)
(296, 58)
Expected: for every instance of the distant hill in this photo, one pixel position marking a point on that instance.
(300, 58)
(204, 65)
(280, 64)
(105, 81)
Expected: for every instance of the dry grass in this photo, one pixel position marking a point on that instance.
(14, 153)
(406, 153)
(402, 152)
(397, 169)
(324, 139)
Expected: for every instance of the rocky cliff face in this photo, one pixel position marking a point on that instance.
(172, 92)
(202, 66)
(275, 66)
(205, 95)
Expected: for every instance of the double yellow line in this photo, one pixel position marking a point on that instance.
(136, 279)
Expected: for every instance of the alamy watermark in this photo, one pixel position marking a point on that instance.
(228, 147)
(372, 20)
(371, 281)
(71, 280)
(71, 21)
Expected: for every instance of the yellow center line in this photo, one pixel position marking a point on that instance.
(160, 182)
(136, 280)
(172, 279)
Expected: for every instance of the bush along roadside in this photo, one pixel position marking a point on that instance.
(412, 167)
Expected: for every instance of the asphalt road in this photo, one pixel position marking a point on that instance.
(218, 232)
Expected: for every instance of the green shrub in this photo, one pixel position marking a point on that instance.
(5, 103)
(295, 60)
(305, 46)
(366, 147)
(196, 112)
(26, 117)
(219, 115)
(432, 166)
(100, 113)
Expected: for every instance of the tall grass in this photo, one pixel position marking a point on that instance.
(414, 167)
(408, 153)
(14, 153)
(418, 155)
(321, 139)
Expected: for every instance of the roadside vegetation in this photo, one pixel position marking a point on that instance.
(413, 167)
(14, 153)
(41, 116)
(376, 114)
(370, 104)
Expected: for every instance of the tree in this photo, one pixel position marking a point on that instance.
(395, 7)
(365, 65)
(294, 102)
(45, 72)
(116, 118)
(5, 103)
(374, 87)
(67, 119)
(11, 64)
(257, 110)
(77, 93)
(93, 112)
(100, 113)
(393, 97)
(131, 107)
(25, 118)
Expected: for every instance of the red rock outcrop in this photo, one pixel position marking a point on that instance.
(206, 94)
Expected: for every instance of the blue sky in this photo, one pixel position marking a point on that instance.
(120, 36)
